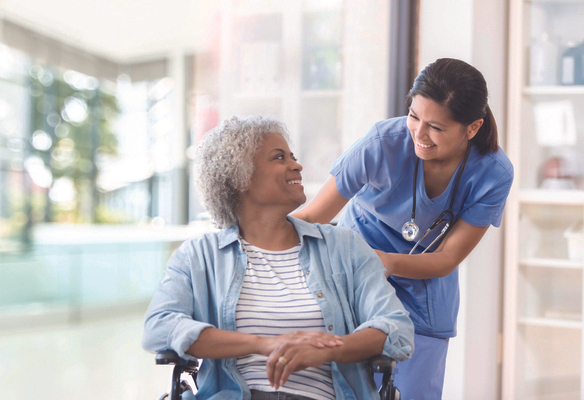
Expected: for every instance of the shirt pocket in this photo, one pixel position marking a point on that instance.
(340, 285)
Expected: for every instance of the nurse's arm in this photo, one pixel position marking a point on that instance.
(327, 203)
(457, 245)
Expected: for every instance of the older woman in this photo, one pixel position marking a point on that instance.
(276, 306)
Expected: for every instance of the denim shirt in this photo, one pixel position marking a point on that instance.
(204, 277)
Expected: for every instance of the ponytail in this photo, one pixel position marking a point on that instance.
(486, 138)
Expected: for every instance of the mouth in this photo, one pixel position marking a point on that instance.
(425, 146)
(295, 182)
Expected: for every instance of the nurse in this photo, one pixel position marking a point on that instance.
(442, 158)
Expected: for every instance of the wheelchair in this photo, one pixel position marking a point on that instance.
(181, 390)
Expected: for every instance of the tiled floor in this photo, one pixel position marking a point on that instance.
(91, 361)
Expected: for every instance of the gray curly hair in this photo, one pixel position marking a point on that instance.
(224, 163)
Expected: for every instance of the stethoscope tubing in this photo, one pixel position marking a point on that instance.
(441, 218)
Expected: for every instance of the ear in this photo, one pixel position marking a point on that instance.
(473, 128)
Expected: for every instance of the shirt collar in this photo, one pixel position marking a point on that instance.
(231, 234)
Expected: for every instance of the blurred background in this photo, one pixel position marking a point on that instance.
(102, 102)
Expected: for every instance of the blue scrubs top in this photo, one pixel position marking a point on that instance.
(377, 174)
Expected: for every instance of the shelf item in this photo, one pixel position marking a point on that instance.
(260, 67)
(575, 237)
(321, 51)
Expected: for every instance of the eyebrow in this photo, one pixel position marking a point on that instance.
(430, 122)
(281, 151)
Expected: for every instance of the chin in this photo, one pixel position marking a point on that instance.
(299, 203)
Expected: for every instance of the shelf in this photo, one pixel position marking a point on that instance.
(551, 263)
(258, 95)
(321, 93)
(550, 322)
(554, 90)
(554, 197)
(554, 1)
(322, 5)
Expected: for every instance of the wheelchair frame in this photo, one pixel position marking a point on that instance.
(380, 364)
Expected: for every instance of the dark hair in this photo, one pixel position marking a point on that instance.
(462, 89)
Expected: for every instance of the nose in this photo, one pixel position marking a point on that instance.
(421, 131)
(296, 166)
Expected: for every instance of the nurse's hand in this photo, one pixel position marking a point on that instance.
(455, 247)
(386, 260)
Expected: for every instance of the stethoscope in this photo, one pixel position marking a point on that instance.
(410, 230)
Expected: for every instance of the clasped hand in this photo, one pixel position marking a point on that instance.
(297, 351)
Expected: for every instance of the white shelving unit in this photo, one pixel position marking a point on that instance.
(544, 296)
(284, 58)
(302, 62)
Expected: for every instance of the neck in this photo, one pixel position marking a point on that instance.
(450, 164)
(268, 230)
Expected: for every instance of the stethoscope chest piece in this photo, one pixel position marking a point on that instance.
(410, 231)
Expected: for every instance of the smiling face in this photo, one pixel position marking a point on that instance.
(276, 179)
(436, 136)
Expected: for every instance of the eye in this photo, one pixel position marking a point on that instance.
(435, 128)
(412, 116)
(279, 157)
(293, 157)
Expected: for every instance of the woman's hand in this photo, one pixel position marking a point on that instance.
(317, 340)
(288, 358)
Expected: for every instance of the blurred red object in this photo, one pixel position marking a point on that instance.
(557, 173)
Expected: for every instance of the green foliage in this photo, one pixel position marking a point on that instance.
(78, 119)
(105, 215)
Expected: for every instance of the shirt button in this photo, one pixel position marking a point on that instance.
(330, 327)
(308, 272)
(319, 295)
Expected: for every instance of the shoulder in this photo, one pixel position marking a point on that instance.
(318, 231)
(336, 233)
(495, 165)
(338, 239)
(387, 131)
(209, 245)
(392, 128)
(390, 136)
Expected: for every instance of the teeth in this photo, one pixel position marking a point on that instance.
(294, 182)
(426, 146)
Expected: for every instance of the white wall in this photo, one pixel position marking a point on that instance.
(476, 32)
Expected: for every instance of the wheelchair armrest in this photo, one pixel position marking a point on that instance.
(382, 364)
(166, 357)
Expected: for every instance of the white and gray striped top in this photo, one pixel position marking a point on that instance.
(275, 300)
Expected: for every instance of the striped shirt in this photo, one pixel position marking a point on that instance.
(275, 300)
